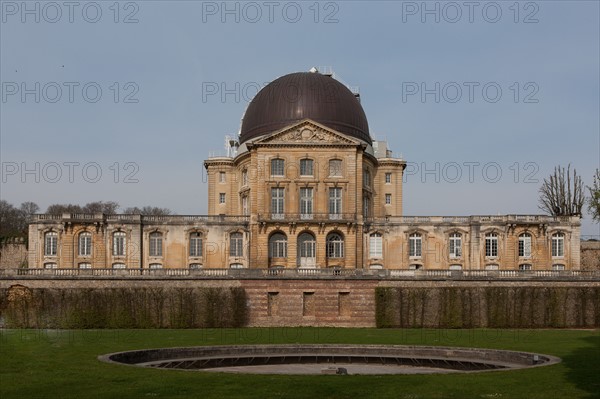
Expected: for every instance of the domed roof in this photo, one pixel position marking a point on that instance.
(305, 95)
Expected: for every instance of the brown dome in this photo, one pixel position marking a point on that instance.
(305, 95)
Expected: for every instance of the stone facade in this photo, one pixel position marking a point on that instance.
(306, 197)
(305, 186)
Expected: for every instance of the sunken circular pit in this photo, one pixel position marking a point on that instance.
(330, 359)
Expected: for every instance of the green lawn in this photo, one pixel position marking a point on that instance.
(63, 364)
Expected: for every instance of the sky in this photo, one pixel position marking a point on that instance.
(122, 101)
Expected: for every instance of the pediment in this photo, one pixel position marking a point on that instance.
(307, 132)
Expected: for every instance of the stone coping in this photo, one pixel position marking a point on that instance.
(442, 358)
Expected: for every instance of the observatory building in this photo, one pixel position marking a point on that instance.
(305, 187)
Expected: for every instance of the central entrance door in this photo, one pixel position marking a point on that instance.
(307, 250)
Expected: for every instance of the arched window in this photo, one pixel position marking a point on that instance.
(375, 246)
(85, 265)
(156, 244)
(525, 245)
(195, 244)
(85, 244)
(558, 267)
(335, 245)
(558, 245)
(277, 167)
(307, 250)
(491, 267)
(278, 245)
(119, 266)
(50, 265)
(306, 167)
(119, 241)
(156, 266)
(455, 245)
(236, 245)
(491, 245)
(455, 267)
(50, 243)
(415, 244)
(525, 267)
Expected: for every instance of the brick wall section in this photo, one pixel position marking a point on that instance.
(590, 255)
(340, 303)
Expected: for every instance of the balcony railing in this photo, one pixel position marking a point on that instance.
(332, 272)
(503, 219)
(183, 219)
(297, 217)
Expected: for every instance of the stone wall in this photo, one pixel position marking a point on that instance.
(13, 254)
(495, 305)
(590, 255)
(339, 302)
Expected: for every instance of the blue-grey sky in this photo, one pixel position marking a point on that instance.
(482, 99)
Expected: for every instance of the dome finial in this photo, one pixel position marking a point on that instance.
(313, 70)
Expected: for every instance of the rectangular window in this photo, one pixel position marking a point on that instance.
(119, 244)
(455, 246)
(221, 177)
(306, 167)
(375, 246)
(244, 177)
(491, 245)
(388, 199)
(366, 178)
(525, 245)
(335, 168)
(277, 167)
(558, 245)
(51, 244)
(221, 198)
(85, 244)
(366, 206)
(306, 203)
(236, 245)
(277, 202)
(245, 208)
(335, 202)
(156, 244)
(388, 178)
(415, 245)
(195, 244)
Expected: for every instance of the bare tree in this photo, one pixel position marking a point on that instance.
(108, 207)
(594, 200)
(562, 193)
(148, 210)
(59, 209)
